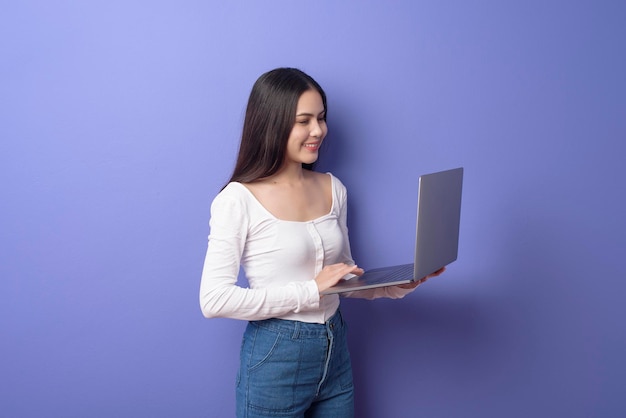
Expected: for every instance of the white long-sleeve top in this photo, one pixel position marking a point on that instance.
(280, 258)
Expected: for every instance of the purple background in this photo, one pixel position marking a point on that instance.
(119, 121)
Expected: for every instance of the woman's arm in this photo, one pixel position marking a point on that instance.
(220, 296)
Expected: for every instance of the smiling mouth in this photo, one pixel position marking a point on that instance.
(312, 146)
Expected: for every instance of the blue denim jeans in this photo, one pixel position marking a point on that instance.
(295, 369)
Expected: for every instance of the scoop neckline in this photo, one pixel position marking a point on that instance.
(274, 217)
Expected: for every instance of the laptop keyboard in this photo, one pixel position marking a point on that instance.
(403, 273)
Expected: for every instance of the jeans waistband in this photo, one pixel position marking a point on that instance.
(299, 329)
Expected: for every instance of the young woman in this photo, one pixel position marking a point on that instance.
(286, 226)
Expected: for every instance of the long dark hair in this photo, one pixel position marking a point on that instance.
(270, 117)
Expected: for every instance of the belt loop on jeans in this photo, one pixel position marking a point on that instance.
(296, 330)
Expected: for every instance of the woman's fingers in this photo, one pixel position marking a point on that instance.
(331, 274)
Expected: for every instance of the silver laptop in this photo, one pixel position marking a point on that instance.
(436, 238)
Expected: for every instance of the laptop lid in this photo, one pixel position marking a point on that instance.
(438, 221)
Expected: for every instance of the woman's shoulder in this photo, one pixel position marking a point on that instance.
(233, 194)
(337, 189)
(232, 190)
(336, 184)
(328, 181)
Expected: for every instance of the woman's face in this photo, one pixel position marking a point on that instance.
(309, 129)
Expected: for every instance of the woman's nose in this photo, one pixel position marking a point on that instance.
(317, 130)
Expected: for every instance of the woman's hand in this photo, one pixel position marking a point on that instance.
(330, 275)
(416, 283)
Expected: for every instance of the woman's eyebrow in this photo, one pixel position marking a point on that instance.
(310, 114)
